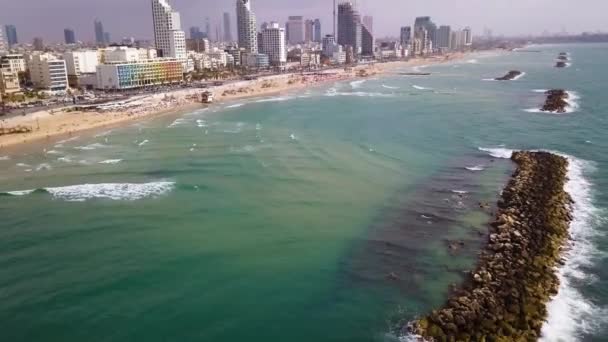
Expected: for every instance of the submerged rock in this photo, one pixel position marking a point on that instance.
(505, 297)
(556, 101)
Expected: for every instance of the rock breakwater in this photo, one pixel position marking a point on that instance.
(511, 75)
(556, 102)
(505, 298)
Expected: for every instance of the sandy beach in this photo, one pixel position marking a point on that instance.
(66, 122)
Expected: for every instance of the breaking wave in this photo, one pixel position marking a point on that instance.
(497, 152)
(421, 88)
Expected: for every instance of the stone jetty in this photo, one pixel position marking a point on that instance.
(511, 75)
(505, 298)
(556, 102)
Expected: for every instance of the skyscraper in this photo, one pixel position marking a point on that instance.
(349, 26)
(443, 37)
(70, 37)
(309, 29)
(169, 38)
(106, 37)
(195, 33)
(247, 30)
(295, 27)
(11, 35)
(227, 28)
(368, 21)
(208, 29)
(468, 36)
(99, 33)
(317, 38)
(38, 44)
(367, 41)
(429, 26)
(273, 44)
(406, 36)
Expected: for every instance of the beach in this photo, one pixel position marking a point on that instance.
(64, 122)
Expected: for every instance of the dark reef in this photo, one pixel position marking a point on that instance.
(511, 75)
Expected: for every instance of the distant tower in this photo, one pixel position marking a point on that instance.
(247, 28)
(349, 27)
(317, 33)
(208, 29)
(11, 34)
(70, 37)
(227, 28)
(169, 38)
(99, 33)
(3, 45)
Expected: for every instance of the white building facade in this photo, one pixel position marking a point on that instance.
(169, 38)
(48, 72)
(274, 44)
(81, 62)
(14, 62)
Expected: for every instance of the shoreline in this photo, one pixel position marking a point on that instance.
(61, 124)
(507, 296)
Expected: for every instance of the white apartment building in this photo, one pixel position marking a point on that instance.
(13, 62)
(48, 72)
(126, 54)
(273, 44)
(9, 82)
(169, 38)
(247, 27)
(81, 62)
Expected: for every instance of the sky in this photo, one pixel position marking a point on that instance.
(133, 18)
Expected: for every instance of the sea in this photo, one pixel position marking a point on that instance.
(333, 213)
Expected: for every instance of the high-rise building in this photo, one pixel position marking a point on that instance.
(169, 38)
(227, 28)
(138, 74)
(349, 27)
(367, 41)
(429, 26)
(368, 21)
(70, 37)
(195, 33)
(309, 29)
(247, 29)
(3, 45)
(468, 36)
(13, 62)
(48, 72)
(295, 27)
(100, 38)
(329, 45)
(443, 37)
(274, 45)
(317, 34)
(106, 37)
(406, 36)
(38, 44)
(208, 29)
(11, 35)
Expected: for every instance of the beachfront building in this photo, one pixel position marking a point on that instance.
(247, 27)
(468, 36)
(317, 34)
(329, 45)
(273, 38)
(443, 38)
(3, 44)
(367, 41)
(9, 82)
(139, 74)
(295, 29)
(431, 30)
(48, 72)
(349, 27)
(80, 65)
(309, 30)
(169, 38)
(14, 62)
(405, 36)
(255, 60)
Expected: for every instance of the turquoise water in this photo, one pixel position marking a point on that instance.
(321, 215)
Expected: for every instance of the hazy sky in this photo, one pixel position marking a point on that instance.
(48, 18)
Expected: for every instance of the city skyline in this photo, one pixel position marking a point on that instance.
(53, 17)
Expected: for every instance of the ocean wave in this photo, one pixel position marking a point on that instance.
(177, 122)
(358, 94)
(572, 100)
(110, 161)
(68, 140)
(570, 312)
(473, 61)
(519, 76)
(22, 165)
(540, 90)
(293, 137)
(91, 147)
(201, 123)
(235, 105)
(357, 84)
(103, 134)
(421, 88)
(65, 159)
(497, 152)
(111, 191)
(275, 99)
(44, 167)
(389, 87)
(460, 192)
(5, 158)
(143, 142)
(476, 167)
(53, 152)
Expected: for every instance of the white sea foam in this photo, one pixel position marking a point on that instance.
(44, 167)
(53, 152)
(460, 192)
(143, 142)
(572, 106)
(112, 191)
(201, 123)
(519, 76)
(489, 79)
(293, 137)
(570, 312)
(65, 159)
(68, 140)
(476, 168)
(236, 105)
(473, 61)
(421, 88)
(498, 152)
(5, 158)
(357, 84)
(389, 87)
(275, 99)
(91, 147)
(103, 134)
(22, 165)
(358, 94)
(111, 161)
(177, 122)
(540, 90)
